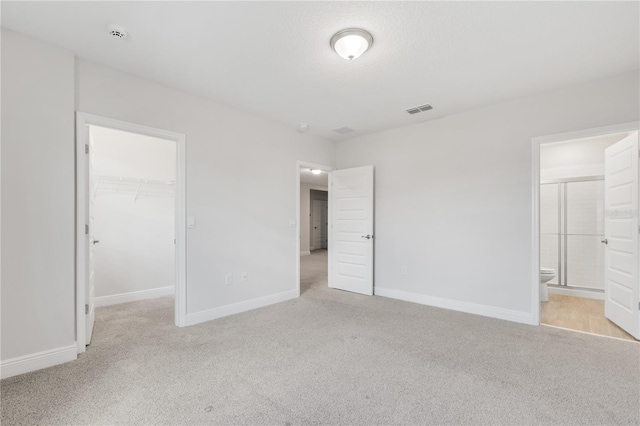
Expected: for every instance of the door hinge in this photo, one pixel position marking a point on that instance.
(86, 149)
(86, 309)
(86, 229)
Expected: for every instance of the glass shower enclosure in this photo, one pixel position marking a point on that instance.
(571, 230)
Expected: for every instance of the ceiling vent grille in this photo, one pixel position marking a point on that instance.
(343, 130)
(421, 108)
(117, 31)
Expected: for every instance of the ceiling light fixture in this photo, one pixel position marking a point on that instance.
(316, 171)
(303, 127)
(351, 43)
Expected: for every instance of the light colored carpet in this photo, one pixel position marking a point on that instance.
(331, 357)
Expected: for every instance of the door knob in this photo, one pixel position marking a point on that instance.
(605, 241)
(368, 237)
(95, 241)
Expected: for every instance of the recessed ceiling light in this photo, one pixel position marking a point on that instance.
(351, 43)
(117, 31)
(316, 171)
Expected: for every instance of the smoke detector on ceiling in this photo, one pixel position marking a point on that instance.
(117, 31)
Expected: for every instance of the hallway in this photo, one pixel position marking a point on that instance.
(314, 271)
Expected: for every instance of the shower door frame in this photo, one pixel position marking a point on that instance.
(563, 267)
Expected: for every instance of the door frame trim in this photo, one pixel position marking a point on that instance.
(84, 119)
(536, 142)
(299, 165)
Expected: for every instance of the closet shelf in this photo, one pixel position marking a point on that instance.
(139, 187)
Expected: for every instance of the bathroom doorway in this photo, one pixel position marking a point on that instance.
(579, 285)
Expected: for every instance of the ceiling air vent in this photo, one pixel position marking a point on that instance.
(343, 130)
(420, 108)
(117, 31)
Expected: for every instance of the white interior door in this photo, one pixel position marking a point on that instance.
(621, 235)
(316, 230)
(324, 219)
(351, 233)
(90, 313)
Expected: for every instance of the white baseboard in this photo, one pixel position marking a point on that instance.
(305, 253)
(577, 293)
(236, 308)
(116, 299)
(32, 362)
(456, 305)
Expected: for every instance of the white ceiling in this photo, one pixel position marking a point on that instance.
(273, 58)
(307, 177)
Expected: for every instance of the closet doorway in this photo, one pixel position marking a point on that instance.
(130, 200)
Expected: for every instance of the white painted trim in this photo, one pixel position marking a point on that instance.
(32, 362)
(535, 202)
(82, 120)
(305, 253)
(236, 308)
(132, 296)
(328, 169)
(456, 305)
(586, 294)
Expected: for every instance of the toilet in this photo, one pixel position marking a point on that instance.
(546, 275)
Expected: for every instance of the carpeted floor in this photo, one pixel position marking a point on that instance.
(331, 357)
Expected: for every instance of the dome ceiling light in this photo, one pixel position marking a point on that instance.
(351, 43)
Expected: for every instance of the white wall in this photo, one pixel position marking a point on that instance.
(583, 152)
(38, 307)
(134, 224)
(240, 185)
(305, 214)
(578, 158)
(454, 195)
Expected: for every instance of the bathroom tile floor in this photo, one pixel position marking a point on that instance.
(577, 313)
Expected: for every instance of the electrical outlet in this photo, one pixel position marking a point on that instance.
(403, 270)
(245, 277)
(229, 279)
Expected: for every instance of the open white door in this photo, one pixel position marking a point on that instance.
(85, 241)
(351, 233)
(91, 264)
(621, 235)
(316, 222)
(319, 215)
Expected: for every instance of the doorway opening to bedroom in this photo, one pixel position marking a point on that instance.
(588, 234)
